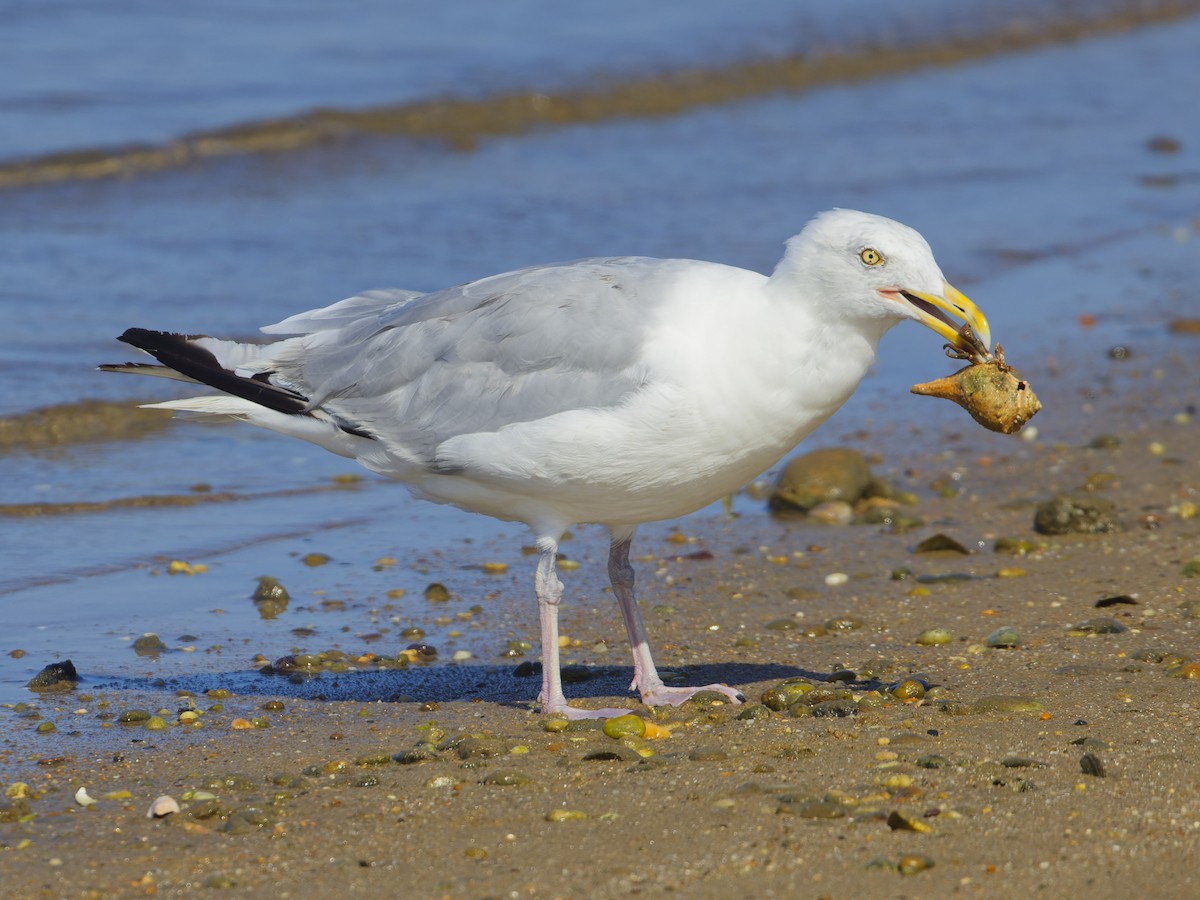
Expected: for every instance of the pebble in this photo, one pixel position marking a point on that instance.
(784, 695)
(1190, 671)
(913, 864)
(1076, 514)
(940, 543)
(833, 473)
(565, 815)
(1004, 703)
(622, 726)
(898, 821)
(59, 676)
(149, 644)
(1099, 625)
(269, 589)
(162, 806)
(1004, 638)
(933, 637)
(932, 761)
(909, 689)
(832, 512)
(615, 753)
(437, 592)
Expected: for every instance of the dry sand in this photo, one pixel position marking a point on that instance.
(772, 807)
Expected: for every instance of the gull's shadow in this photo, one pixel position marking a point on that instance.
(444, 684)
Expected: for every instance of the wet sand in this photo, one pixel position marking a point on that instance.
(1089, 784)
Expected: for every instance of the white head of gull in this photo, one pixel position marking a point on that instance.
(614, 391)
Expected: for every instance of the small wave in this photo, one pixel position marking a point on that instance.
(462, 123)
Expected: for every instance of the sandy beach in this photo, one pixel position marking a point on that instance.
(1062, 765)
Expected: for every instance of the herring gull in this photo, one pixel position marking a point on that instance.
(614, 391)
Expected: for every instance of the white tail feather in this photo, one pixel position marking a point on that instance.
(315, 429)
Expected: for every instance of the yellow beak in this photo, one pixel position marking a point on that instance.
(942, 312)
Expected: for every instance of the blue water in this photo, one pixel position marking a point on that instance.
(1026, 173)
(83, 74)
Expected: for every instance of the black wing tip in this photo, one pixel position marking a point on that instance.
(177, 351)
(149, 340)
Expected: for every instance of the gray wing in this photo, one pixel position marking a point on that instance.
(511, 348)
(343, 313)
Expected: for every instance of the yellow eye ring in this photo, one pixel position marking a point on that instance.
(870, 256)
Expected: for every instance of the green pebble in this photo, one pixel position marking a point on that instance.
(204, 809)
(620, 726)
(45, 728)
(133, 716)
(933, 637)
(1004, 638)
(784, 695)
(1002, 703)
(910, 689)
(437, 593)
(156, 723)
(565, 815)
(378, 759)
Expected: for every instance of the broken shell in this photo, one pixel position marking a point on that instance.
(163, 806)
(82, 798)
(992, 392)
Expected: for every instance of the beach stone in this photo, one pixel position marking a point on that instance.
(149, 644)
(833, 473)
(1076, 514)
(940, 543)
(59, 676)
(1003, 703)
(1099, 625)
(1004, 638)
(832, 512)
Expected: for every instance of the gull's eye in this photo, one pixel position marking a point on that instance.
(870, 256)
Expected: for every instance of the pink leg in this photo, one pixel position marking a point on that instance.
(549, 595)
(646, 680)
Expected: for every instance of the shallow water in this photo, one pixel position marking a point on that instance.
(68, 87)
(1028, 174)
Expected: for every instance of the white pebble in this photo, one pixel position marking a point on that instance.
(163, 806)
(461, 655)
(833, 579)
